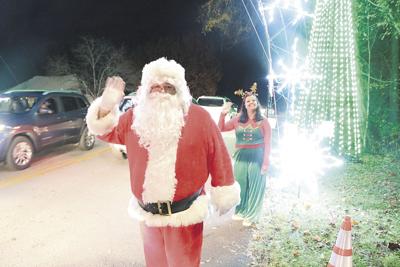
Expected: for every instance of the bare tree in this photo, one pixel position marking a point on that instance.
(197, 56)
(92, 61)
(95, 60)
(58, 65)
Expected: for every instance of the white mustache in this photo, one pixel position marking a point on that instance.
(159, 95)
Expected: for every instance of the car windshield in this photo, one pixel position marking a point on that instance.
(211, 102)
(17, 104)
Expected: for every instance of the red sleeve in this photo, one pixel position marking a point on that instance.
(266, 129)
(118, 133)
(230, 125)
(219, 161)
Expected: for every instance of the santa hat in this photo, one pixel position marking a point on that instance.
(164, 71)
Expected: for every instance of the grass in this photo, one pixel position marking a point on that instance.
(300, 231)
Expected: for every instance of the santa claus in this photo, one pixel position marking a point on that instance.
(173, 146)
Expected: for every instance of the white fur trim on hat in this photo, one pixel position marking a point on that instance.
(225, 198)
(197, 212)
(103, 125)
(161, 71)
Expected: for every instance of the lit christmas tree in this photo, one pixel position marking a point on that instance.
(334, 96)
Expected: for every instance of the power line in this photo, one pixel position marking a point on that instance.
(255, 30)
(9, 69)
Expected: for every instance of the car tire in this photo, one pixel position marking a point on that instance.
(87, 140)
(20, 153)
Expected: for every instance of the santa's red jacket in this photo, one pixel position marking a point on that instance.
(200, 152)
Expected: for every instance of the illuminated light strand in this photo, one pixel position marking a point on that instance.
(302, 157)
(336, 96)
(293, 77)
(287, 76)
(291, 5)
(296, 146)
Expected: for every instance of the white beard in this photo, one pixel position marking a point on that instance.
(158, 122)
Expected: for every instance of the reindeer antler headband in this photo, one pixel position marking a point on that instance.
(244, 94)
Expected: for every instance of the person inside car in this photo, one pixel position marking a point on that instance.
(19, 105)
(45, 108)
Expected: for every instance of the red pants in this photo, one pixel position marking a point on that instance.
(172, 246)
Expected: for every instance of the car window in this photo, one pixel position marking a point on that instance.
(69, 103)
(5, 104)
(81, 103)
(211, 102)
(49, 106)
(17, 104)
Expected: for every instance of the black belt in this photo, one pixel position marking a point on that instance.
(167, 208)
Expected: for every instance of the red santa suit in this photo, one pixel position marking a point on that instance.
(200, 151)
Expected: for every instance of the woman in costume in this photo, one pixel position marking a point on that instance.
(251, 158)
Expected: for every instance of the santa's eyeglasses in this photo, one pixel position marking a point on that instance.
(164, 87)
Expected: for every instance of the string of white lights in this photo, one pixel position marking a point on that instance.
(325, 81)
(335, 97)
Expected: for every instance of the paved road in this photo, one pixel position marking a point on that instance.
(69, 209)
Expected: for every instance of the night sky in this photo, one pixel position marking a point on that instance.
(30, 30)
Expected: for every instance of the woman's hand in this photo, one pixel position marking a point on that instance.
(226, 108)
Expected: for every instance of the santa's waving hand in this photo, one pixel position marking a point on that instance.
(112, 95)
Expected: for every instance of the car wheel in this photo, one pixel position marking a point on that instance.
(20, 153)
(87, 140)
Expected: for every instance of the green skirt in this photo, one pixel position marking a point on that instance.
(247, 171)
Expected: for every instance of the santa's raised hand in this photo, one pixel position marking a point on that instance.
(113, 93)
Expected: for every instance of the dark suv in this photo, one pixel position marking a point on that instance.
(33, 120)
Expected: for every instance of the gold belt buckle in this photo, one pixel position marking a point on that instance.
(160, 211)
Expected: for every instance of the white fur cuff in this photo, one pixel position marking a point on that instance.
(225, 198)
(104, 125)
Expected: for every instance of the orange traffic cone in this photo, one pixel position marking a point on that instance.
(342, 251)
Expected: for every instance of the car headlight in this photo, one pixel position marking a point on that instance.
(4, 127)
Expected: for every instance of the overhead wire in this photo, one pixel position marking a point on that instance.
(256, 32)
(9, 69)
(268, 56)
